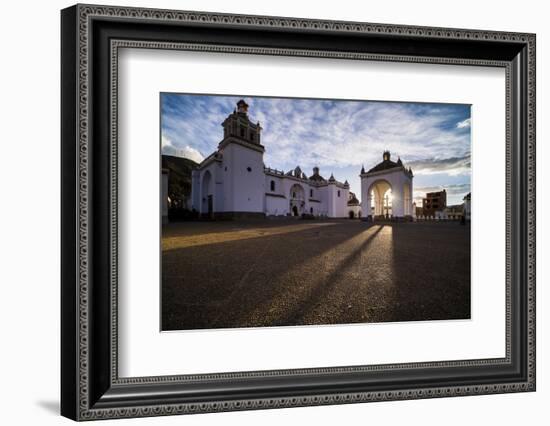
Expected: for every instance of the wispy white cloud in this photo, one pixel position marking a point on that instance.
(453, 166)
(463, 124)
(165, 142)
(187, 151)
(191, 153)
(434, 139)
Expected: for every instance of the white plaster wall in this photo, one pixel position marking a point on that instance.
(279, 184)
(336, 205)
(246, 189)
(313, 207)
(331, 193)
(323, 197)
(355, 209)
(195, 190)
(219, 181)
(276, 206)
(365, 198)
(215, 188)
(341, 204)
(227, 165)
(396, 181)
(317, 208)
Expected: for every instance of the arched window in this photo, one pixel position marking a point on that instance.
(338, 192)
(311, 193)
(311, 210)
(272, 185)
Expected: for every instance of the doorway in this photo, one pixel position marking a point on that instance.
(210, 206)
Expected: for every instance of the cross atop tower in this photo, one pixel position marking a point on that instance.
(242, 107)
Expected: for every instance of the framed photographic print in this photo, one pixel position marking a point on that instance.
(263, 212)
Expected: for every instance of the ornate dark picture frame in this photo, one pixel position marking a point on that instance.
(91, 37)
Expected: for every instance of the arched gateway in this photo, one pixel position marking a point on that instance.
(386, 190)
(297, 198)
(380, 199)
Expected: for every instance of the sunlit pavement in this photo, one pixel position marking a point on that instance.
(224, 235)
(273, 273)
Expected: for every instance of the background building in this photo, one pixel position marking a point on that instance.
(354, 206)
(432, 208)
(433, 202)
(455, 212)
(467, 206)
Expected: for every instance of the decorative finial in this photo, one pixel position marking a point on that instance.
(242, 106)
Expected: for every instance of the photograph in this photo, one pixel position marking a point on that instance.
(280, 211)
(265, 207)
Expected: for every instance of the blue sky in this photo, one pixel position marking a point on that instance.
(337, 136)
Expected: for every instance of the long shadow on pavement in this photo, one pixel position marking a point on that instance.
(219, 285)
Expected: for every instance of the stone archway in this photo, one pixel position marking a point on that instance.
(380, 199)
(387, 189)
(297, 199)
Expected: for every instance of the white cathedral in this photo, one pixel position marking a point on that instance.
(233, 182)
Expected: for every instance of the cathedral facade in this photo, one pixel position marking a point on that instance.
(234, 182)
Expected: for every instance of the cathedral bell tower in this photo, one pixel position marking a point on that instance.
(242, 169)
(239, 125)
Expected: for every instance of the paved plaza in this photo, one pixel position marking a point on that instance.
(300, 272)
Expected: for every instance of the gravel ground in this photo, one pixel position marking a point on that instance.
(280, 273)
